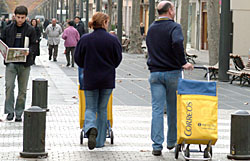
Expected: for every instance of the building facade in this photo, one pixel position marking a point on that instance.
(241, 26)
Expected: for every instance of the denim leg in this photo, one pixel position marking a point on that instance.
(22, 78)
(104, 95)
(10, 76)
(80, 77)
(158, 92)
(91, 99)
(171, 83)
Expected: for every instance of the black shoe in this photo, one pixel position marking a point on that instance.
(68, 65)
(156, 152)
(170, 147)
(92, 138)
(18, 119)
(72, 66)
(10, 116)
(54, 60)
(49, 57)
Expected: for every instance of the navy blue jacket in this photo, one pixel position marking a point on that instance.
(99, 53)
(165, 46)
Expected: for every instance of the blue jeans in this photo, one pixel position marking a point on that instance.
(163, 90)
(22, 73)
(96, 103)
(80, 77)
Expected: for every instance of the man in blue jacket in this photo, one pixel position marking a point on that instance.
(165, 62)
(13, 36)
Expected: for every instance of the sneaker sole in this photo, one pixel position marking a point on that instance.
(92, 142)
(92, 139)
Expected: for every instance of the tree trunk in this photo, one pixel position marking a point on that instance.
(71, 10)
(213, 17)
(184, 20)
(110, 7)
(135, 35)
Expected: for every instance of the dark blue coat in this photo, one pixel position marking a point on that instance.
(165, 46)
(99, 53)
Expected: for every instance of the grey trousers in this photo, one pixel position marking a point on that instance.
(55, 47)
(22, 73)
(68, 51)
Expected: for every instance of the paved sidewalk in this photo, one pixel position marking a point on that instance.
(131, 113)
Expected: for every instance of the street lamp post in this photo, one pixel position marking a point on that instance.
(98, 8)
(151, 11)
(226, 30)
(119, 24)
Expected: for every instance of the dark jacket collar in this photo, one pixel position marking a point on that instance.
(100, 29)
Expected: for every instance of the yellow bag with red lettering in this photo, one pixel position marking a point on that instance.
(197, 104)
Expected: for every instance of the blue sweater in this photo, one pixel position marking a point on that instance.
(99, 53)
(165, 46)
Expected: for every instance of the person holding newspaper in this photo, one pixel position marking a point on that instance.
(14, 35)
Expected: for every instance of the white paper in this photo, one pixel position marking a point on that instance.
(26, 42)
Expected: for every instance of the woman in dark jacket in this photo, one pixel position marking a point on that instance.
(99, 53)
(38, 35)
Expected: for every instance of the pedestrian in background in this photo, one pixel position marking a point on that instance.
(165, 62)
(39, 25)
(98, 53)
(14, 36)
(45, 25)
(53, 32)
(142, 29)
(38, 39)
(71, 37)
(79, 25)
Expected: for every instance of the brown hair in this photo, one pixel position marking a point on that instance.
(97, 20)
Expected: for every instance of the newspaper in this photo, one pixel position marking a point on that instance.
(13, 54)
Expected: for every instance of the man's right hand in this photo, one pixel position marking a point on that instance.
(188, 66)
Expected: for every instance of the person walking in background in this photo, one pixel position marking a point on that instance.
(165, 62)
(98, 53)
(53, 31)
(38, 36)
(79, 25)
(142, 29)
(39, 25)
(14, 36)
(45, 25)
(71, 37)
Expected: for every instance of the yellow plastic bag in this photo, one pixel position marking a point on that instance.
(82, 108)
(197, 119)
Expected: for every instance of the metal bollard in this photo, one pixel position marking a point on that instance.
(40, 93)
(34, 126)
(240, 133)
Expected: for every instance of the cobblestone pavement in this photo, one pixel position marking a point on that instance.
(131, 113)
